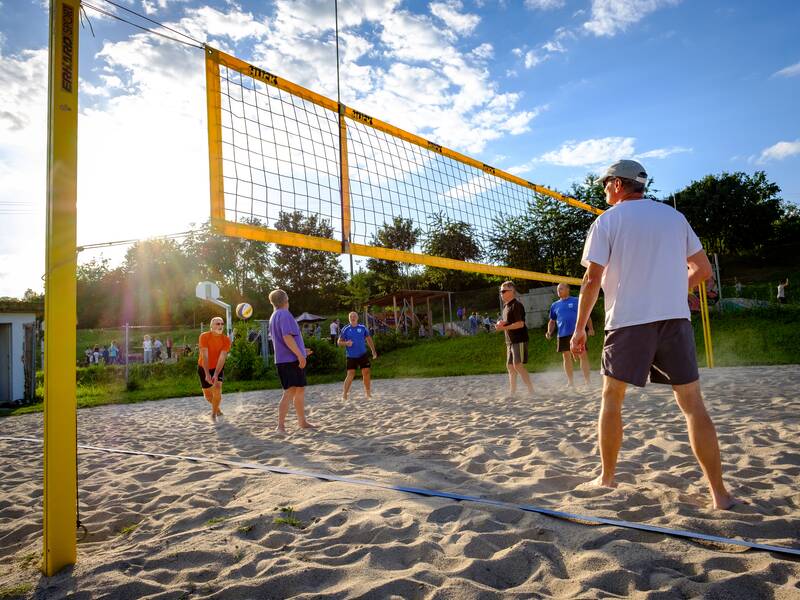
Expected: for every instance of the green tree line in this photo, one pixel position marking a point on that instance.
(734, 214)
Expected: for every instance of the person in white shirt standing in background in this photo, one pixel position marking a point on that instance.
(638, 251)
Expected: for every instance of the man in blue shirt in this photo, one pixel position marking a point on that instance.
(563, 316)
(355, 338)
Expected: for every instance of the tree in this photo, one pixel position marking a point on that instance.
(732, 213)
(400, 234)
(240, 266)
(313, 277)
(451, 239)
(158, 282)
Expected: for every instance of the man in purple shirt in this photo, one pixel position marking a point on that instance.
(290, 359)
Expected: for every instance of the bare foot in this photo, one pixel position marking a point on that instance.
(344, 397)
(599, 481)
(307, 425)
(280, 429)
(724, 502)
(369, 396)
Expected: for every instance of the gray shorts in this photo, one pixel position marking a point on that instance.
(664, 350)
(517, 353)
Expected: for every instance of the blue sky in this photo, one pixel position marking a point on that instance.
(549, 89)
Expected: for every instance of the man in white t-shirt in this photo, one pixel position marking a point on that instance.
(638, 251)
(782, 291)
(334, 330)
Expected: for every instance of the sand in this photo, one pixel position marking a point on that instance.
(160, 528)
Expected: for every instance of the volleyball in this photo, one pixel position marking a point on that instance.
(244, 310)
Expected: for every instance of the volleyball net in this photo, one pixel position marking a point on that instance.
(277, 149)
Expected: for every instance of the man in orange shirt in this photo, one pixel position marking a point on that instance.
(214, 347)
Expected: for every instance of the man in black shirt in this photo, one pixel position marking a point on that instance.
(513, 324)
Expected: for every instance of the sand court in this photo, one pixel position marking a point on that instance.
(164, 528)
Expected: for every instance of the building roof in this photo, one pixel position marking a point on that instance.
(22, 306)
(399, 295)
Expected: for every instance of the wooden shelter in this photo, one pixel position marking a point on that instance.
(404, 304)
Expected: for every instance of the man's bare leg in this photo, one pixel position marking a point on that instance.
(208, 394)
(348, 381)
(585, 367)
(609, 429)
(283, 408)
(567, 357)
(367, 377)
(512, 380)
(300, 408)
(703, 438)
(523, 373)
(216, 399)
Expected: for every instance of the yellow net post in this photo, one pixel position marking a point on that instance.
(706, 325)
(60, 308)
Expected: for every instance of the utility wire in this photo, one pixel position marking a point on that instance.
(146, 18)
(158, 33)
(168, 236)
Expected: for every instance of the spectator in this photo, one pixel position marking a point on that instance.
(157, 346)
(334, 331)
(147, 349)
(737, 286)
(782, 291)
(318, 331)
(487, 323)
(106, 355)
(96, 356)
(168, 345)
(113, 352)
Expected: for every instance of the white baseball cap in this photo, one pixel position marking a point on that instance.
(625, 169)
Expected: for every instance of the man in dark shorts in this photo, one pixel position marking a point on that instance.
(638, 251)
(290, 360)
(513, 324)
(563, 316)
(355, 338)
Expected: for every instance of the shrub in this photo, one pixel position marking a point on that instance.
(386, 342)
(243, 358)
(327, 358)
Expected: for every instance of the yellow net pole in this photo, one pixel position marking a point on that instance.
(706, 325)
(214, 109)
(60, 306)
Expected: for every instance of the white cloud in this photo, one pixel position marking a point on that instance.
(779, 151)
(483, 52)
(790, 71)
(610, 17)
(23, 129)
(595, 153)
(532, 59)
(660, 153)
(448, 12)
(544, 4)
(590, 152)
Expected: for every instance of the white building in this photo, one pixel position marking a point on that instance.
(13, 321)
(537, 305)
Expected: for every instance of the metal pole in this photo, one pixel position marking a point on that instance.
(394, 309)
(719, 284)
(450, 305)
(127, 338)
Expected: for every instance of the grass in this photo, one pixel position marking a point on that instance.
(215, 521)
(288, 518)
(245, 528)
(27, 560)
(129, 529)
(14, 591)
(755, 337)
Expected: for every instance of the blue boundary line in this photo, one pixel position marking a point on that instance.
(679, 533)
